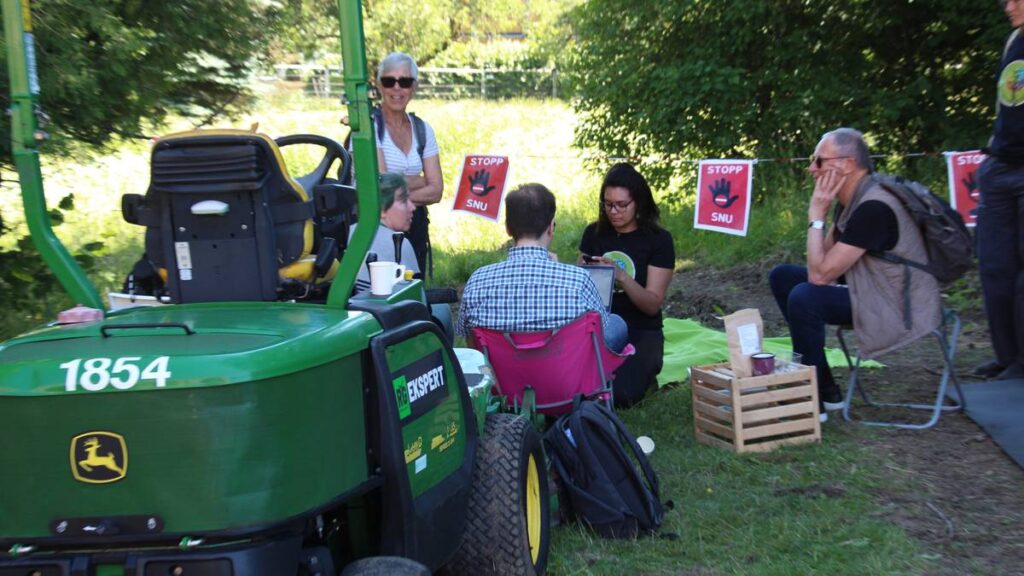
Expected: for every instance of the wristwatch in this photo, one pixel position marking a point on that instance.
(816, 224)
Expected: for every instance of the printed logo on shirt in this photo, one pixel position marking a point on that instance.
(622, 260)
(1011, 84)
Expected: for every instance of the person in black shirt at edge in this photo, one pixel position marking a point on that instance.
(627, 235)
(1000, 230)
(817, 295)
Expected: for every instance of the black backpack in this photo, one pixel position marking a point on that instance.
(608, 480)
(949, 244)
(144, 279)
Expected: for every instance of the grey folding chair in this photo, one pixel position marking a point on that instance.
(946, 335)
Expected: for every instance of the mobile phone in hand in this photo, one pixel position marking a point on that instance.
(589, 258)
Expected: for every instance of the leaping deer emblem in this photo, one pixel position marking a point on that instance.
(94, 460)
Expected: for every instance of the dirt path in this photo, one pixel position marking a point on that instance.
(955, 490)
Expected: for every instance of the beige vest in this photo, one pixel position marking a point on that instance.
(885, 315)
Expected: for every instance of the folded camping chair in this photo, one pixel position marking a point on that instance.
(557, 364)
(946, 335)
(225, 221)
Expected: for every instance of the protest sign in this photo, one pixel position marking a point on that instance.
(481, 186)
(723, 196)
(963, 183)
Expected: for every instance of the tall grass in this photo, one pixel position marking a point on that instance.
(800, 510)
(535, 134)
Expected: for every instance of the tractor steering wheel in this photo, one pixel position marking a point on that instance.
(332, 151)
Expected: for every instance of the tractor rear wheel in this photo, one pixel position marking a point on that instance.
(507, 527)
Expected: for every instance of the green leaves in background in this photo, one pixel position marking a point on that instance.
(765, 78)
(31, 293)
(115, 67)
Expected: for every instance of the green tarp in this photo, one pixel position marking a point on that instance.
(687, 343)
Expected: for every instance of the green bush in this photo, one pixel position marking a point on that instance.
(765, 78)
(515, 70)
(29, 289)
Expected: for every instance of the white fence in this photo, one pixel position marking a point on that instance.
(328, 82)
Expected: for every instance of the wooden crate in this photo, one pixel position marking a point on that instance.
(755, 414)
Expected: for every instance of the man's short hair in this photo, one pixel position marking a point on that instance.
(391, 187)
(850, 142)
(529, 209)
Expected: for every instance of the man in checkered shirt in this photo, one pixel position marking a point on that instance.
(531, 291)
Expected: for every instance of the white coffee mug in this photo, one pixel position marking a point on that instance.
(384, 276)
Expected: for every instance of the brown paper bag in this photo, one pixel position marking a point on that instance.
(744, 332)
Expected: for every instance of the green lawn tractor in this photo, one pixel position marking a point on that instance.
(265, 421)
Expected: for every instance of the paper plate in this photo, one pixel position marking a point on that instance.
(646, 444)
(622, 260)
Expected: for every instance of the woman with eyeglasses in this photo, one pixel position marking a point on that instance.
(396, 215)
(627, 236)
(406, 145)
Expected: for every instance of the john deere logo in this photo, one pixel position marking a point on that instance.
(99, 457)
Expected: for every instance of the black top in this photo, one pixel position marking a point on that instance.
(872, 226)
(1008, 134)
(642, 248)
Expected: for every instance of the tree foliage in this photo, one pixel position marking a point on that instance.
(425, 28)
(764, 78)
(30, 291)
(392, 25)
(117, 67)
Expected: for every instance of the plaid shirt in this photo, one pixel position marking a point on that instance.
(527, 293)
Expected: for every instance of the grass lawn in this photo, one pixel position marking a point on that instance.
(799, 510)
(802, 510)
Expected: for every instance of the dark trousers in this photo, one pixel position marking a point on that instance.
(1000, 239)
(640, 371)
(808, 308)
(419, 237)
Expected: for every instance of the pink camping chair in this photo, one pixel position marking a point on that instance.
(557, 364)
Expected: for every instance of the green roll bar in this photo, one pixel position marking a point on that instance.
(26, 136)
(364, 148)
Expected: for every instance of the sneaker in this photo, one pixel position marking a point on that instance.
(831, 399)
(823, 417)
(989, 369)
(1012, 372)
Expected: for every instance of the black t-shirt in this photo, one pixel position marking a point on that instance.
(872, 226)
(641, 248)
(1008, 134)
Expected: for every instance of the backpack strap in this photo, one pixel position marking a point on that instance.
(378, 122)
(420, 127)
(888, 185)
(1009, 41)
(645, 464)
(421, 133)
(897, 259)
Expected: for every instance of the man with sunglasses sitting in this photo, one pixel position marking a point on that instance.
(531, 291)
(889, 304)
